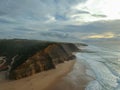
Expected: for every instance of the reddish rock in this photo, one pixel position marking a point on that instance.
(43, 60)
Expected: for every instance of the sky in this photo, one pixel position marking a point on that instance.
(60, 20)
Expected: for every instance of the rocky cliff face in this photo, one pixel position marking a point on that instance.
(44, 59)
(24, 58)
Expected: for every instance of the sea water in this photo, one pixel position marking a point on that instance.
(104, 65)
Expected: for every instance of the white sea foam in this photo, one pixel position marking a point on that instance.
(104, 66)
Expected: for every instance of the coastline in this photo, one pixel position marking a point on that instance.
(77, 79)
(40, 81)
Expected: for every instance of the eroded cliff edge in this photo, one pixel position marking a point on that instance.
(27, 57)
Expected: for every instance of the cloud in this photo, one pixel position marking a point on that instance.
(22, 29)
(99, 10)
(50, 19)
(59, 19)
(104, 35)
(6, 20)
(98, 15)
(2, 13)
(94, 27)
(99, 29)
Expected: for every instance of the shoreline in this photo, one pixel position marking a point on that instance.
(77, 79)
(40, 81)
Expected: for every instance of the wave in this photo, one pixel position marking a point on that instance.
(104, 65)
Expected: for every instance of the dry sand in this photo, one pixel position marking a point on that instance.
(64, 77)
(77, 79)
(39, 81)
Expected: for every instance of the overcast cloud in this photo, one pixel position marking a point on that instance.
(59, 19)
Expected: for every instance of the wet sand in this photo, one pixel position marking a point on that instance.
(77, 79)
(40, 81)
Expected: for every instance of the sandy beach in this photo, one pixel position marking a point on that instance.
(39, 81)
(67, 76)
(77, 79)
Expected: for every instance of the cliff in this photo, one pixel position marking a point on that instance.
(44, 60)
(25, 57)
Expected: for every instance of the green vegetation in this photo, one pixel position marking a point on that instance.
(1, 61)
(22, 48)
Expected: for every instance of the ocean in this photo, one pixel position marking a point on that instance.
(103, 62)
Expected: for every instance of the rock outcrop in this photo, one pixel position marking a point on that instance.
(43, 60)
(26, 57)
